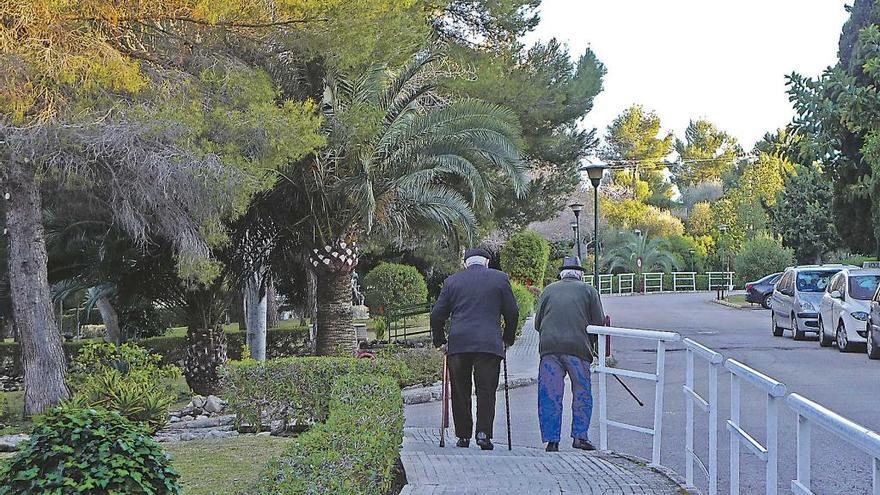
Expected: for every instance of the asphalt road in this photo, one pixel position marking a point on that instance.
(848, 384)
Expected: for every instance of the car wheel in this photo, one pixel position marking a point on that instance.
(843, 343)
(873, 345)
(767, 301)
(777, 332)
(824, 339)
(796, 332)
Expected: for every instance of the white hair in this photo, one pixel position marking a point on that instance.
(571, 274)
(476, 260)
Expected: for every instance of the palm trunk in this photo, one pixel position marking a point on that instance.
(335, 331)
(272, 315)
(41, 352)
(110, 319)
(256, 307)
(205, 338)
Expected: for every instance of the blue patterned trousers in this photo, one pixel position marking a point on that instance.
(551, 387)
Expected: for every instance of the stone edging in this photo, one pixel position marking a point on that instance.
(421, 395)
(735, 305)
(665, 471)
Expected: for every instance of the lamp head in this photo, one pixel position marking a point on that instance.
(595, 173)
(573, 226)
(576, 208)
(722, 228)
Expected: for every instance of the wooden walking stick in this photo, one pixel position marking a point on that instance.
(507, 402)
(444, 415)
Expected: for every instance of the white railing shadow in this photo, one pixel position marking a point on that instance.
(658, 377)
(710, 406)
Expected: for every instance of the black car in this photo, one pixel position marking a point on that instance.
(760, 291)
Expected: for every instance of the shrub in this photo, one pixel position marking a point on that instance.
(294, 390)
(551, 274)
(524, 257)
(525, 300)
(125, 379)
(762, 256)
(425, 364)
(354, 452)
(392, 284)
(88, 451)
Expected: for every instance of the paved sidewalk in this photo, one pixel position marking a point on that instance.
(526, 469)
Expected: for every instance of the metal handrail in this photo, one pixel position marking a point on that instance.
(710, 406)
(756, 378)
(634, 333)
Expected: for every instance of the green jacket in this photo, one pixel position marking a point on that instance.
(565, 308)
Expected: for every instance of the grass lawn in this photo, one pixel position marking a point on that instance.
(739, 300)
(224, 466)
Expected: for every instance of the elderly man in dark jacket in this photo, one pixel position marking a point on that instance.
(476, 299)
(565, 308)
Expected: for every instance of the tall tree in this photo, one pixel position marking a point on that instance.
(634, 140)
(801, 215)
(838, 120)
(705, 154)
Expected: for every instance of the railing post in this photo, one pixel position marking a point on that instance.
(689, 428)
(658, 401)
(803, 451)
(713, 428)
(603, 402)
(734, 441)
(772, 442)
(876, 475)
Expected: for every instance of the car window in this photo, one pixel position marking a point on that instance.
(785, 284)
(813, 280)
(863, 287)
(836, 283)
(774, 278)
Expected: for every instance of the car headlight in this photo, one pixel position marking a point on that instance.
(807, 306)
(860, 315)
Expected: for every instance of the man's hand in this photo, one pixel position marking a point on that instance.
(442, 348)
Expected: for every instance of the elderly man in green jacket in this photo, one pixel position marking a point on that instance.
(565, 308)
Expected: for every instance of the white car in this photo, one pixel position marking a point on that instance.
(845, 307)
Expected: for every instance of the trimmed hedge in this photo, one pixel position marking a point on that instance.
(279, 343)
(524, 257)
(394, 285)
(525, 300)
(424, 363)
(354, 452)
(294, 390)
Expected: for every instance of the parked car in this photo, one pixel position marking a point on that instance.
(761, 291)
(873, 327)
(844, 309)
(797, 297)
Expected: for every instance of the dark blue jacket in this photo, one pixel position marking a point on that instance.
(476, 299)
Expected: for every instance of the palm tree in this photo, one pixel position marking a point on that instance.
(653, 253)
(399, 157)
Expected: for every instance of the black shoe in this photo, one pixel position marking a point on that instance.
(463, 443)
(484, 442)
(552, 447)
(579, 443)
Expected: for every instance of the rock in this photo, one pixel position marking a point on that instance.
(10, 443)
(198, 401)
(213, 404)
(174, 419)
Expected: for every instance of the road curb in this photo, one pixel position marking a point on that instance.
(665, 471)
(747, 306)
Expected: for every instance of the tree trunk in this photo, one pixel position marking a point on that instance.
(272, 314)
(335, 330)
(205, 353)
(110, 319)
(41, 352)
(256, 306)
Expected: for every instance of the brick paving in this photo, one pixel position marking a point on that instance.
(431, 470)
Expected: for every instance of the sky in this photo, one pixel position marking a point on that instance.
(723, 60)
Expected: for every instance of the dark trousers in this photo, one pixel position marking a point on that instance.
(484, 368)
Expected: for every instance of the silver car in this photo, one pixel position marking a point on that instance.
(797, 298)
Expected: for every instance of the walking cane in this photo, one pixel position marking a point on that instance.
(444, 415)
(507, 402)
(631, 393)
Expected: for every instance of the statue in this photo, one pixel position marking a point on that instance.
(357, 297)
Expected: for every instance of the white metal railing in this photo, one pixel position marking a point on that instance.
(625, 283)
(589, 279)
(769, 453)
(653, 282)
(658, 377)
(710, 406)
(684, 281)
(809, 413)
(606, 284)
(720, 280)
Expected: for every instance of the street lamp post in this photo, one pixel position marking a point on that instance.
(577, 208)
(595, 173)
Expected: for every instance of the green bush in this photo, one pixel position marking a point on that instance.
(425, 364)
(762, 256)
(354, 452)
(525, 300)
(551, 274)
(524, 257)
(294, 390)
(125, 379)
(394, 285)
(88, 451)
